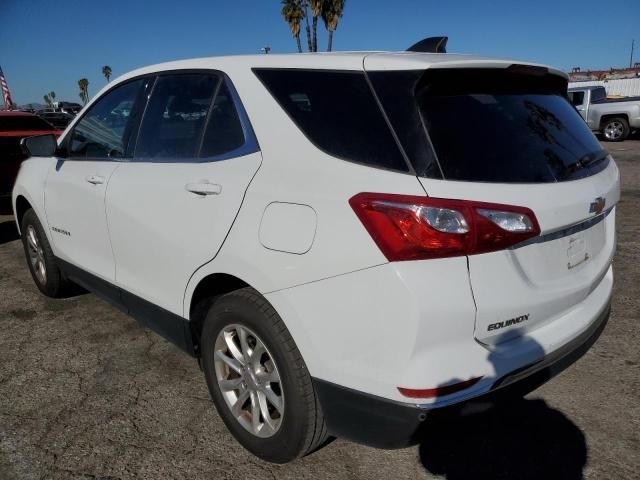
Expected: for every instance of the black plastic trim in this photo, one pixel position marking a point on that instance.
(173, 327)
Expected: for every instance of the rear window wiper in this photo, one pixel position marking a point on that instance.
(591, 158)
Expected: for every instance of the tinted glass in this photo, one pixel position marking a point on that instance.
(101, 133)
(396, 91)
(598, 94)
(14, 123)
(338, 113)
(224, 131)
(576, 98)
(501, 125)
(175, 117)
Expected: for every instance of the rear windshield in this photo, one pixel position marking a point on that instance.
(490, 125)
(11, 123)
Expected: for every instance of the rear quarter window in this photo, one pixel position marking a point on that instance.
(338, 113)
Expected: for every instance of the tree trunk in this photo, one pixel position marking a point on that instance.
(315, 34)
(309, 44)
(330, 41)
(298, 42)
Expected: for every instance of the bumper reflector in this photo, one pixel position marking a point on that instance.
(438, 391)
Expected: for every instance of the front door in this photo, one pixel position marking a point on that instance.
(75, 189)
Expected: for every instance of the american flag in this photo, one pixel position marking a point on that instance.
(6, 94)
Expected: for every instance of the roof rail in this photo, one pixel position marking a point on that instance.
(430, 45)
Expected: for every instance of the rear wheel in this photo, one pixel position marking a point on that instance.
(615, 129)
(42, 263)
(258, 379)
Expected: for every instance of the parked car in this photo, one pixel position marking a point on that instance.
(337, 271)
(614, 118)
(69, 107)
(14, 126)
(59, 120)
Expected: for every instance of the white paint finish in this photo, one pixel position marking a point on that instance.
(32, 177)
(358, 320)
(74, 204)
(341, 243)
(288, 227)
(536, 280)
(536, 277)
(421, 61)
(161, 233)
(399, 324)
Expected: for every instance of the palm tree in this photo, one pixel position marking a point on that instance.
(316, 10)
(305, 5)
(106, 71)
(83, 83)
(49, 98)
(293, 14)
(331, 13)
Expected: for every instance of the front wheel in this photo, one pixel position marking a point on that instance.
(42, 263)
(615, 129)
(258, 379)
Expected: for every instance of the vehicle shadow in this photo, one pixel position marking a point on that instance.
(525, 439)
(8, 232)
(504, 436)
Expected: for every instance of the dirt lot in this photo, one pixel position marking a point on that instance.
(85, 392)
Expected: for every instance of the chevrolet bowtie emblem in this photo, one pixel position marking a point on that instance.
(597, 206)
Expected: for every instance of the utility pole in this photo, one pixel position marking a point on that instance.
(631, 58)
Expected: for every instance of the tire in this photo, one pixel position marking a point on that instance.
(42, 263)
(295, 429)
(615, 129)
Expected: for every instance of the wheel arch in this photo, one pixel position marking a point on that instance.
(21, 207)
(609, 116)
(205, 293)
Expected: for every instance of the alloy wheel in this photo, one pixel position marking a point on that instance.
(36, 255)
(249, 381)
(614, 130)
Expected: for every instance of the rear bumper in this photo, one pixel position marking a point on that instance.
(383, 423)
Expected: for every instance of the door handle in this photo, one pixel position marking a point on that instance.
(95, 179)
(204, 188)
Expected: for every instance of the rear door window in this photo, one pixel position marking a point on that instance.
(337, 112)
(175, 117)
(224, 131)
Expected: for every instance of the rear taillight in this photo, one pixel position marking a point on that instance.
(412, 228)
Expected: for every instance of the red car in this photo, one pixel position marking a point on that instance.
(15, 126)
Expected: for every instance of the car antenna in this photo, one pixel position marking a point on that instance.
(430, 45)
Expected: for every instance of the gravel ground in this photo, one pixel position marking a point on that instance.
(85, 392)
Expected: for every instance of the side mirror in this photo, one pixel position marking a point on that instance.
(40, 145)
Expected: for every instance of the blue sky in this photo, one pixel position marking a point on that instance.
(49, 45)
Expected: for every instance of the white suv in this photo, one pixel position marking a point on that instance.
(345, 241)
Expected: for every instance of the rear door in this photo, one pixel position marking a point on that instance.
(509, 136)
(169, 210)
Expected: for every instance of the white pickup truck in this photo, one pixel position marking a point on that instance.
(615, 119)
